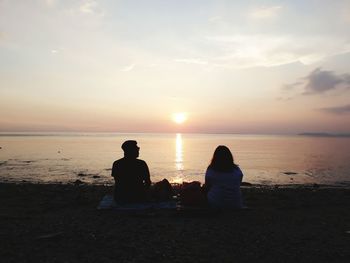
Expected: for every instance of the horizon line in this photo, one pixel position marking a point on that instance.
(51, 133)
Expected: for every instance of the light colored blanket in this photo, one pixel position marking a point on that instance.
(108, 202)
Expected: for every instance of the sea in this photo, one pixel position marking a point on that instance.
(181, 157)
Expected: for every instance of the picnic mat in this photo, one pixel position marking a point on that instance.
(108, 202)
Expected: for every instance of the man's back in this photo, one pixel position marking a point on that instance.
(132, 180)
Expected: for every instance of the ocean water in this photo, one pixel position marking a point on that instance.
(264, 159)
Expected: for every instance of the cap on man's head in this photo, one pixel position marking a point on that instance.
(129, 145)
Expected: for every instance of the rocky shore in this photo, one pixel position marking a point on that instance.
(60, 223)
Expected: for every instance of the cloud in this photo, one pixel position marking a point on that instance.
(245, 51)
(192, 61)
(320, 81)
(340, 110)
(265, 12)
(128, 68)
(284, 98)
(85, 7)
(292, 85)
(50, 2)
(88, 7)
(215, 19)
(345, 13)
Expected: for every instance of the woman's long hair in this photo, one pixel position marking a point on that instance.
(222, 160)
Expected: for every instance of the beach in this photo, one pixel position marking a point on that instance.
(60, 223)
(209, 97)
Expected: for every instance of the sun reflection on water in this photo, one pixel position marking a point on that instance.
(179, 153)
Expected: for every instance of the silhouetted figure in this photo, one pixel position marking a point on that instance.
(131, 175)
(223, 180)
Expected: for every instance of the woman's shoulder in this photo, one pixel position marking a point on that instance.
(237, 168)
(210, 171)
(238, 171)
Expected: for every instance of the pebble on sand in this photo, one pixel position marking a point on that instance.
(290, 173)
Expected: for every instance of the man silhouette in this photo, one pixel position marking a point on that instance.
(131, 176)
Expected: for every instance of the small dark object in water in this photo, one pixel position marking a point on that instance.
(96, 176)
(0, 147)
(290, 173)
(58, 151)
(78, 182)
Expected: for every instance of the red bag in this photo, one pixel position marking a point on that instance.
(191, 194)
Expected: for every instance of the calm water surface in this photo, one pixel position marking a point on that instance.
(177, 157)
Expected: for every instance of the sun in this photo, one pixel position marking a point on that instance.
(179, 117)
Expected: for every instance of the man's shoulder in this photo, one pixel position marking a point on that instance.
(141, 162)
(124, 160)
(119, 160)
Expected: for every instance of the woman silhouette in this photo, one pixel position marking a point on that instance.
(223, 180)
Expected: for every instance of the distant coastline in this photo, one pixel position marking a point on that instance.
(92, 134)
(324, 134)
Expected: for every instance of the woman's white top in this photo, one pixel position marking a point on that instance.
(224, 188)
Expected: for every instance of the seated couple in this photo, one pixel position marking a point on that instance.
(133, 184)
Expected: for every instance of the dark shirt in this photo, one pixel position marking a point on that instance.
(132, 180)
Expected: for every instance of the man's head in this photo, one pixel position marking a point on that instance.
(130, 149)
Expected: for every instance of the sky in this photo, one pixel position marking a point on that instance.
(269, 67)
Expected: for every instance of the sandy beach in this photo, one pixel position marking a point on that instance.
(60, 223)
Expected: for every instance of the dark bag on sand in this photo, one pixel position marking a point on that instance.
(192, 194)
(162, 191)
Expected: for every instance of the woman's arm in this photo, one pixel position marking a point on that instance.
(207, 182)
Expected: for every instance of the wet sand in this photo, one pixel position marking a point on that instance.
(60, 223)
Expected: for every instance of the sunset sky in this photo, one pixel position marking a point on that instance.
(129, 66)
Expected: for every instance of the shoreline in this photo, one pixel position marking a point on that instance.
(60, 223)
